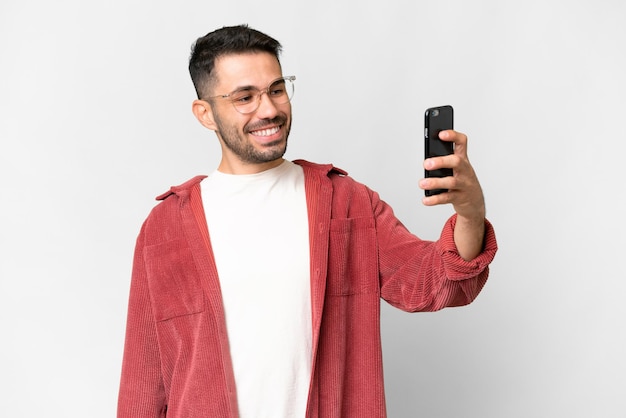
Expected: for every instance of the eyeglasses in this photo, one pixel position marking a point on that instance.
(247, 99)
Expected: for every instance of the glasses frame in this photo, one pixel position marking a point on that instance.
(266, 90)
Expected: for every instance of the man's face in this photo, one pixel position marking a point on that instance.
(256, 140)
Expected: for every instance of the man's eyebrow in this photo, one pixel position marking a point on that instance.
(248, 87)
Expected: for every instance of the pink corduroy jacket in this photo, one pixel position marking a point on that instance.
(176, 358)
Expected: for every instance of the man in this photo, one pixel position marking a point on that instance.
(256, 290)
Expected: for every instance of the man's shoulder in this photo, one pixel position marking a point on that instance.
(324, 169)
(183, 189)
(169, 203)
(341, 183)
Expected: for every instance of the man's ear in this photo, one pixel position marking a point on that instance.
(203, 112)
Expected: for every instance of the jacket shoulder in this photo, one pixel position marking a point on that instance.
(164, 222)
(326, 169)
(182, 190)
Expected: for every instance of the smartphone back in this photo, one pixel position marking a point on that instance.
(437, 119)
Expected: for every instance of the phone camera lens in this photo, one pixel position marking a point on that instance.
(435, 112)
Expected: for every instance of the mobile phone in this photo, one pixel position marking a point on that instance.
(437, 119)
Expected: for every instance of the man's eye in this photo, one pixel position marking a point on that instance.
(278, 91)
(242, 98)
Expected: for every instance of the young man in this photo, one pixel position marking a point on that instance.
(256, 290)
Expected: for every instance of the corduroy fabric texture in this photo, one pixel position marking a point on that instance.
(176, 356)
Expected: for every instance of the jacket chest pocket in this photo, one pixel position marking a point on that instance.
(353, 257)
(174, 282)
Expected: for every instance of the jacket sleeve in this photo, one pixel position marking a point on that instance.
(418, 275)
(141, 393)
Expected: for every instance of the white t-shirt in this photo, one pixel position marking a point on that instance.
(258, 227)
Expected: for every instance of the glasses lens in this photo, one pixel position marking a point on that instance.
(281, 91)
(248, 100)
(245, 100)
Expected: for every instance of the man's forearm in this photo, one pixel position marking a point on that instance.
(469, 235)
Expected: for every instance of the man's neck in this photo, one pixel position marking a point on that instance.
(230, 167)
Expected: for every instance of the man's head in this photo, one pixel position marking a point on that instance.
(228, 40)
(243, 97)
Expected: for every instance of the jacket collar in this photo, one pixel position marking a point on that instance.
(184, 189)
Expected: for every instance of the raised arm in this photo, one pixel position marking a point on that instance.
(464, 193)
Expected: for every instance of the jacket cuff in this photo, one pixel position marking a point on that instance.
(456, 267)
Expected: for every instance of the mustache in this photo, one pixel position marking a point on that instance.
(278, 120)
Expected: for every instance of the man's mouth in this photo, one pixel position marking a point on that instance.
(267, 131)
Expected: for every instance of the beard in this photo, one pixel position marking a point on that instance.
(242, 147)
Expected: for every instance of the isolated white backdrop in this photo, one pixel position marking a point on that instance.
(95, 121)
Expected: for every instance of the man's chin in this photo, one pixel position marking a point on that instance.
(268, 153)
(278, 147)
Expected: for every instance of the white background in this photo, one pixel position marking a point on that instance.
(95, 121)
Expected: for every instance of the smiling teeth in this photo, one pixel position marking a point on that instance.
(266, 132)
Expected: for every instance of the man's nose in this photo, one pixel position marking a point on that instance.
(266, 106)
